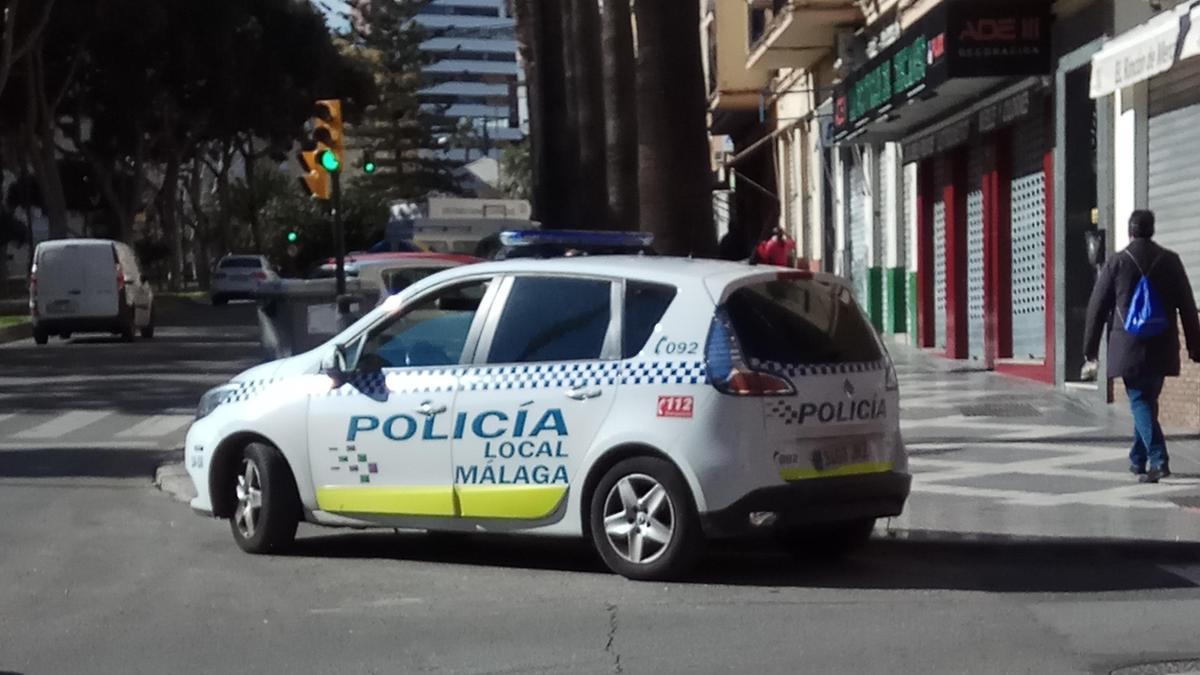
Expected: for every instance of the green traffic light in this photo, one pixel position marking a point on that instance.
(329, 161)
(292, 237)
(369, 167)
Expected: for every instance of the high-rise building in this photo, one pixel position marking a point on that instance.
(472, 82)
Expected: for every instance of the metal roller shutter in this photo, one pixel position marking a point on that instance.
(975, 253)
(1029, 241)
(939, 254)
(857, 241)
(1174, 146)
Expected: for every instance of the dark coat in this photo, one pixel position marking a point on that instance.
(1129, 356)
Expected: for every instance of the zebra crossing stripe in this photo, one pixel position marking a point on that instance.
(4, 417)
(156, 426)
(64, 424)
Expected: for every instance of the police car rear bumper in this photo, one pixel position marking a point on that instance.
(811, 502)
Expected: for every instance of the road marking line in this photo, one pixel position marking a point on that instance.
(64, 424)
(1189, 572)
(6, 416)
(156, 426)
(84, 445)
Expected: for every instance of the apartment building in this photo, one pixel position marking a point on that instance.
(472, 82)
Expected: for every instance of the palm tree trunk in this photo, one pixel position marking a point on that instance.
(558, 136)
(620, 114)
(528, 15)
(674, 178)
(569, 164)
(585, 39)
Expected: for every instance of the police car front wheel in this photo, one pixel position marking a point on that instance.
(266, 512)
(643, 520)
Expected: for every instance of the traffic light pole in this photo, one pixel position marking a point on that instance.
(339, 236)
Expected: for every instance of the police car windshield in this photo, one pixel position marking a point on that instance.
(801, 321)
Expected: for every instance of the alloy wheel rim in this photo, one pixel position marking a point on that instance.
(639, 518)
(249, 496)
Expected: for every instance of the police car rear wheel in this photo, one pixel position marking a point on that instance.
(643, 520)
(266, 513)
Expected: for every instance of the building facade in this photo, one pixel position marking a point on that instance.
(472, 81)
(967, 163)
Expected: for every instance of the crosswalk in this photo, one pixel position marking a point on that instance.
(92, 429)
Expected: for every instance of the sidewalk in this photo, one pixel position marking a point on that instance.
(997, 455)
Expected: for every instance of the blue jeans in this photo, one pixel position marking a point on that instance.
(1149, 446)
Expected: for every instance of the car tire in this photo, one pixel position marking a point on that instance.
(834, 540)
(41, 336)
(639, 535)
(263, 477)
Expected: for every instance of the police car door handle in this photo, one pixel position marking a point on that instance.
(428, 408)
(581, 394)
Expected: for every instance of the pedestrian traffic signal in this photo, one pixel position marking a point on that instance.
(292, 236)
(368, 164)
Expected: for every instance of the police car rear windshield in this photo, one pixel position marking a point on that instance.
(801, 321)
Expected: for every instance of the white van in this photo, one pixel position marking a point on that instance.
(88, 285)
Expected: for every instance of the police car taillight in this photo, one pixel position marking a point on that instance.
(727, 369)
(33, 308)
(745, 382)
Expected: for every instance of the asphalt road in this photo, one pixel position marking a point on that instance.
(100, 573)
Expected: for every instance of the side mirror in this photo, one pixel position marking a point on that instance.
(334, 366)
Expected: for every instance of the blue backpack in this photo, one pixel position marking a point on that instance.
(1146, 316)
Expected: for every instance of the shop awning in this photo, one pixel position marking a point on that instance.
(1138, 54)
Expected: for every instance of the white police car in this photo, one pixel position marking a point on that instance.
(647, 403)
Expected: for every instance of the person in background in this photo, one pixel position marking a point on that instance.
(777, 250)
(1144, 359)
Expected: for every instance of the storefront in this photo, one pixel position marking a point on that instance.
(1151, 76)
(964, 92)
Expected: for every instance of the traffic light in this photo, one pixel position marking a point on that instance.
(368, 163)
(321, 154)
(292, 237)
(314, 179)
(328, 131)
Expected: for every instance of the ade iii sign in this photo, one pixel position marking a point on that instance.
(958, 39)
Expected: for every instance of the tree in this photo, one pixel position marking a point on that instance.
(21, 29)
(673, 165)
(553, 139)
(589, 104)
(620, 113)
(516, 170)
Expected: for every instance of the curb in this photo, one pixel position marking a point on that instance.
(21, 331)
(173, 479)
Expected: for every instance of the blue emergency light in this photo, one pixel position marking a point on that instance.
(583, 240)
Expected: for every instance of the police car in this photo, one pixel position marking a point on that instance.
(645, 403)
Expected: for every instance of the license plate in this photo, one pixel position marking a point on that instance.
(61, 307)
(835, 456)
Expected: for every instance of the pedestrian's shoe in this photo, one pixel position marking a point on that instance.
(1137, 470)
(1152, 476)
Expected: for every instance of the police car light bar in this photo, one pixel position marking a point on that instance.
(581, 239)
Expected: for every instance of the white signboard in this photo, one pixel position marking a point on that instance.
(1136, 56)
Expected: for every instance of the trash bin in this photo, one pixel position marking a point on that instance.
(295, 315)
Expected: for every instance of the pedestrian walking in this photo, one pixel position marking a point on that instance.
(1138, 294)
(777, 250)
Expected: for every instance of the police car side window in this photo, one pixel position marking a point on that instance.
(645, 305)
(432, 332)
(553, 319)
